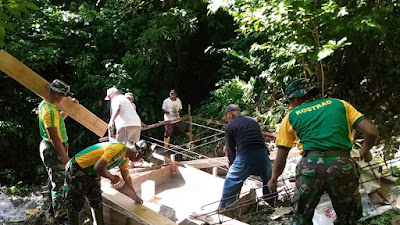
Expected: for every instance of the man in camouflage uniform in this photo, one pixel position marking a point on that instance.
(54, 146)
(83, 177)
(322, 129)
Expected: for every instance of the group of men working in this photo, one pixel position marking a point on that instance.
(322, 130)
(82, 172)
(320, 127)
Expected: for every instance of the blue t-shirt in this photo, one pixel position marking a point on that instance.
(242, 135)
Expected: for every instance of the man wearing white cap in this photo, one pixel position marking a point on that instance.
(123, 115)
(130, 97)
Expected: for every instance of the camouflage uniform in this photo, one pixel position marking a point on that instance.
(55, 170)
(50, 118)
(338, 176)
(322, 129)
(81, 184)
(82, 179)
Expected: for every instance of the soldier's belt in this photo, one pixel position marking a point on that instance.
(327, 154)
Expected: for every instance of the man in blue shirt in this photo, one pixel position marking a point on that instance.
(246, 153)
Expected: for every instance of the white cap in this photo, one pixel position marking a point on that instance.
(111, 91)
(129, 95)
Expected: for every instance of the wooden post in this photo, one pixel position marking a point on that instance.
(190, 124)
(172, 162)
(215, 171)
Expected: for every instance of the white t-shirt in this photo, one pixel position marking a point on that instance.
(173, 107)
(127, 114)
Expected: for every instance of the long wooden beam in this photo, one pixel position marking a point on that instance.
(34, 82)
(165, 123)
(206, 163)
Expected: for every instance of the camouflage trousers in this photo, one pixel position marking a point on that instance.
(79, 185)
(56, 173)
(338, 176)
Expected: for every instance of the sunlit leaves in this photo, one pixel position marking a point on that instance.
(329, 48)
(14, 8)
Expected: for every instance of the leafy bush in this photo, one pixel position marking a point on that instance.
(18, 189)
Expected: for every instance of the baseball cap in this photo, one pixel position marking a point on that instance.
(172, 91)
(129, 95)
(60, 87)
(111, 91)
(231, 108)
(299, 88)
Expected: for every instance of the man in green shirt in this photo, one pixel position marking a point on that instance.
(83, 177)
(54, 145)
(322, 129)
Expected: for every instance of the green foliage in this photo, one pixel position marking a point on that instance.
(8, 176)
(347, 47)
(145, 47)
(254, 97)
(394, 170)
(383, 219)
(18, 190)
(12, 8)
(250, 49)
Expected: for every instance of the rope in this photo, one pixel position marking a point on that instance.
(211, 128)
(201, 145)
(178, 152)
(201, 139)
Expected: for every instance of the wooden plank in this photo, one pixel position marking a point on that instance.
(207, 163)
(38, 85)
(115, 198)
(114, 215)
(165, 123)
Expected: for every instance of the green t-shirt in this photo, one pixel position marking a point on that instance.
(50, 117)
(114, 153)
(323, 125)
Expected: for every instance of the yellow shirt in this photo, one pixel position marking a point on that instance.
(114, 153)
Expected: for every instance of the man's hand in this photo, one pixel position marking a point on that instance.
(111, 127)
(65, 160)
(272, 184)
(66, 165)
(114, 179)
(366, 156)
(75, 100)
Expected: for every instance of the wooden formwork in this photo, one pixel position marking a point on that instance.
(182, 195)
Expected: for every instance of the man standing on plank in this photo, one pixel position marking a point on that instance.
(247, 155)
(322, 129)
(83, 177)
(54, 146)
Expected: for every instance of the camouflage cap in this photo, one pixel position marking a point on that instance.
(60, 87)
(299, 88)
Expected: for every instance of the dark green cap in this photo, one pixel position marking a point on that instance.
(299, 88)
(60, 87)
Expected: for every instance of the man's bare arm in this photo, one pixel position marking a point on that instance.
(101, 168)
(58, 145)
(128, 189)
(278, 167)
(370, 136)
(114, 115)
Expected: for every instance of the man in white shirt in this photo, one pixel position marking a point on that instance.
(130, 97)
(171, 108)
(123, 115)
